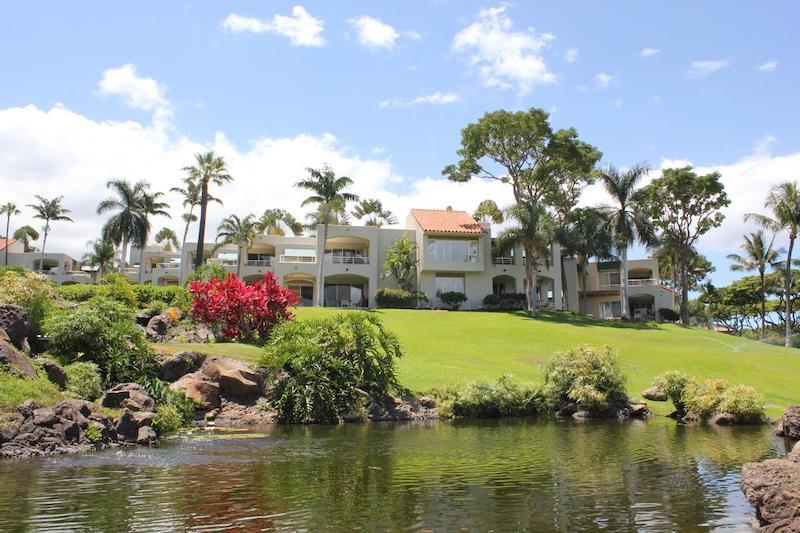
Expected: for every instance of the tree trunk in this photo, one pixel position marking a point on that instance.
(239, 261)
(8, 223)
(623, 284)
(564, 300)
(141, 264)
(584, 297)
(201, 232)
(186, 229)
(684, 294)
(763, 300)
(530, 277)
(320, 272)
(44, 245)
(789, 342)
(122, 255)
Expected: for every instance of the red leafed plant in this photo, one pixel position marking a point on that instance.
(239, 311)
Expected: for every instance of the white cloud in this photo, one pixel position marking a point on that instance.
(300, 27)
(437, 98)
(139, 92)
(503, 57)
(650, 52)
(763, 146)
(571, 55)
(704, 67)
(769, 66)
(374, 33)
(603, 80)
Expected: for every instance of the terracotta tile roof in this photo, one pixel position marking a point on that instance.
(443, 221)
(6, 242)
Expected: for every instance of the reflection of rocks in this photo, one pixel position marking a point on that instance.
(789, 425)
(401, 408)
(773, 488)
(620, 409)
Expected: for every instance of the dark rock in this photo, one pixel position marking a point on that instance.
(638, 410)
(199, 388)
(794, 455)
(428, 402)
(55, 372)
(115, 396)
(73, 409)
(127, 426)
(179, 365)
(157, 327)
(45, 417)
(16, 360)
(8, 432)
(70, 429)
(773, 488)
(655, 394)
(235, 378)
(27, 408)
(144, 418)
(145, 436)
(790, 423)
(14, 321)
(24, 438)
(723, 419)
(568, 410)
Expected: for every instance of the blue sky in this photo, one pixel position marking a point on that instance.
(386, 96)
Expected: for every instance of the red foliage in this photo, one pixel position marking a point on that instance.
(238, 310)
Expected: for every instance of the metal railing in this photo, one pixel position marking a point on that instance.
(297, 259)
(168, 265)
(503, 260)
(346, 260)
(223, 262)
(631, 283)
(258, 262)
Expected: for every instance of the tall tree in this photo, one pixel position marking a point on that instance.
(208, 169)
(758, 255)
(487, 211)
(9, 209)
(683, 207)
(169, 238)
(372, 209)
(101, 254)
(151, 206)
(49, 210)
(534, 230)
(129, 219)
(627, 220)
(238, 231)
(191, 192)
(273, 221)
(401, 263)
(587, 236)
(25, 235)
(328, 194)
(784, 203)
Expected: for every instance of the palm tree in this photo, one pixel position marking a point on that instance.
(535, 231)
(627, 221)
(758, 255)
(191, 193)
(130, 220)
(488, 211)
(238, 231)
(151, 206)
(784, 202)
(171, 238)
(273, 221)
(49, 210)
(101, 253)
(372, 209)
(9, 210)
(587, 236)
(208, 169)
(25, 235)
(335, 214)
(328, 194)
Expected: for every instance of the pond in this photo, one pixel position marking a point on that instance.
(476, 475)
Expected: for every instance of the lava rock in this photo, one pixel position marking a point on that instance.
(115, 396)
(55, 372)
(789, 425)
(145, 436)
(655, 394)
(773, 488)
(45, 417)
(179, 365)
(17, 361)
(127, 427)
(200, 388)
(235, 378)
(723, 419)
(15, 322)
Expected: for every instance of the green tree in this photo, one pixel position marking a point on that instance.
(328, 194)
(683, 207)
(784, 203)
(586, 236)
(9, 209)
(169, 237)
(238, 231)
(208, 169)
(487, 211)
(191, 192)
(129, 220)
(372, 209)
(25, 235)
(101, 254)
(401, 263)
(627, 220)
(273, 222)
(758, 255)
(50, 210)
(151, 206)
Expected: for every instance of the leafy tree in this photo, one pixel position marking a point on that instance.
(238, 231)
(208, 169)
(487, 211)
(49, 210)
(273, 221)
(736, 306)
(401, 263)
(25, 235)
(586, 236)
(101, 254)
(151, 206)
(627, 220)
(191, 192)
(328, 194)
(683, 207)
(129, 221)
(169, 237)
(758, 255)
(372, 209)
(784, 203)
(9, 209)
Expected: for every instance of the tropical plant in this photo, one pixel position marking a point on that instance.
(273, 221)
(191, 192)
(758, 255)
(9, 209)
(674, 384)
(627, 220)
(101, 254)
(169, 238)
(586, 236)
(49, 210)
(208, 169)
(505, 397)
(238, 231)
(784, 203)
(372, 209)
(336, 215)
(328, 194)
(487, 211)
(84, 380)
(25, 235)
(453, 299)
(401, 263)
(129, 220)
(31, 291)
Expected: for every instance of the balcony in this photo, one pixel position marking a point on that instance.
(645, 282)
(346, 260)
(504, 260)
(297, 259)
(258, 262)
(223, 262)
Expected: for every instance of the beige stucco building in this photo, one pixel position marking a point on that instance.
(61, 268)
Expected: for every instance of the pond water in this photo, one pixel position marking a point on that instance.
(478, 476)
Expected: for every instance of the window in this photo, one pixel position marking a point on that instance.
(449, 284)
(455, 251)
(609, 279)
(612, 309)
(345, 295)
(258, 257)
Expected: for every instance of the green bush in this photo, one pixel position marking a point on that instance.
(84, 381)
(165, 397)
(168, 419)
(93, 433)
(330, 367)
(703, 399)
(668, 314)
(504, 301)
(117, 287)
(207, 271)
(79, 292)
(144, 295)
(743, 402)
(453, 299)
(587, 376)
(168, 294)
(674, 383)
(12, 268)
(490, 400)
(31, 291)
(399, 299)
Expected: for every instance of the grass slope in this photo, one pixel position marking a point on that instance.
(447, 348)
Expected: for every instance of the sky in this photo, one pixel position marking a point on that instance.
(91, 91)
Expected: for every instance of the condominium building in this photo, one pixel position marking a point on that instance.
(61, 268)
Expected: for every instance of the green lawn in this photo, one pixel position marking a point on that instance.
(447, 348)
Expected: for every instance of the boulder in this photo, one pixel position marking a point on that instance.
(55, 372)
(70, 430)
(139, 399)
(199, 388)
(638, 410)
(145, 436)
(27, 408)
(74, 408)
(45, 417)
(428, 402)
(157, 327)
(789, 425)
(199, 335)
(14, 321)
(794, 455)
(127, 427)
(723, 419)
(656, 394)
(235, 378)
(144, 418)
(773, 488)
(568, 410)
(179, 365)
(17, 361)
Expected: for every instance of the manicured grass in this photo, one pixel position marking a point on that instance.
(245, 352)
(448, 348)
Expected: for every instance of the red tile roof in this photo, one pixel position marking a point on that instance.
(443, 221)
(6, 242)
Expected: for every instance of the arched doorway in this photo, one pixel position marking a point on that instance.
(504, 284)
(346, 290)
(302, 285)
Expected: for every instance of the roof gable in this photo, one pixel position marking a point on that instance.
(446, 221)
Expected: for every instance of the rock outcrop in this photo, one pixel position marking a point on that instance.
(182, 363)
(15, 360)
(655, 394)
(200, 388)
(773, 488)
(131, 396)
(789, 424)
(55, 372)
(15, 322)
(235, 378)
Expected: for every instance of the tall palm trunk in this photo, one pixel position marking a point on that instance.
(186, 229)
(8, 224)
(240, 252)
(623, 284)
(530, 289)
(320, 272)
(122, 255)
(201, 232)
(141, 264)
(44, 245)
(763, 299)
(584, 297)
(789, 342)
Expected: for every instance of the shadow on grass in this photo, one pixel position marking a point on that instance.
(574, 319)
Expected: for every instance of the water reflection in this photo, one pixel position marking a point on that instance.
(502, 475)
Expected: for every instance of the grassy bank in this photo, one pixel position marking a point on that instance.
(447, 348)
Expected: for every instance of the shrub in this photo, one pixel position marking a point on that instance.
(79, 292)
(167, 419)
(505, 397)
(743, 402)
(703, 399)
(330, 366)
(668, 314)
(504, 301)
(207, 272)
(148, 294)
(31, 291)
(241, 311)
(93, 433)
(587, 376)
(166, 398)
(84, 381)
(12, 268)
(117, 287)
(491, 299)
(453, 299)
(399, 298)
(674, 383)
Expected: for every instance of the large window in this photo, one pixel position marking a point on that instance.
(612, 309)
(449, 284)
(609, 279)
(454, 251)
(345, 295)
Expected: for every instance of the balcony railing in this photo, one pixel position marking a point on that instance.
(297, 259)
(168, 265)
(631, 283)
(258, 262)
(503, 260)
(346, 260)
(223, 262)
